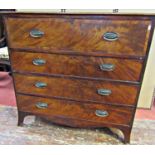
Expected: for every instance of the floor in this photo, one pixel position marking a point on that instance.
(38, 131)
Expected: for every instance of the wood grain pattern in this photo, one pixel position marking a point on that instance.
(75, 110)
(82, 90)
(127, 70)
(73, 47)
(80, 36)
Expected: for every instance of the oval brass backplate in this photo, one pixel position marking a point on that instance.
(110, 36)
(41, 84)
(41, 105)
(104, 92)
(38, 62)
(101, 113)
(35, 33)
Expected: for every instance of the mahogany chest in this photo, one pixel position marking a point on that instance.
(79, 70)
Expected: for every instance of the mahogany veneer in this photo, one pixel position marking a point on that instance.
(81, 66)
(79, 70)
(76, 110)
(80, 35)
(81, 90)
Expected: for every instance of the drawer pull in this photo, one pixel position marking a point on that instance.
(101, 113)
(39, 62)
(41, 105)
(104, 92)
(40, 84)
(110, 36)
(107, 67)
(35, 33)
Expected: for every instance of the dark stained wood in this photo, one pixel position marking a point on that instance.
(75, 110)
(64, 52)
(127, 70)
(83, 90)
(79, 123)
(123, 16)
(21, 116)
(78, 35)
(126, 133)
(77, 39)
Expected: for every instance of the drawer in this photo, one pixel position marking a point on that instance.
(85, 36)
(82, 66)
(75, 110)
(81, 90)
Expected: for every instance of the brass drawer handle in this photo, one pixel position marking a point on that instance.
(101, 113)
(41, 105)
(110, 36)
(104, 92)
(107, 67)
(35, 33)
(40, 84)
(38, 62)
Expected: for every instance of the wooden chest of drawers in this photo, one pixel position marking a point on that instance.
(79, 70)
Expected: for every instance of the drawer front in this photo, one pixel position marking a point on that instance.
(93, 36)
(82, 90)
(84, 111)
(96, 67)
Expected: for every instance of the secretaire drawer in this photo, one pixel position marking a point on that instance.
(81, 90)
(83, 66)
(75, 110)
(70, 34)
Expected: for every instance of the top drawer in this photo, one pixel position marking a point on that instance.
(85, 36)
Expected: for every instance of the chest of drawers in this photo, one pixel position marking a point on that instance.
(79, 70)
